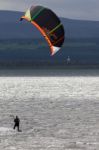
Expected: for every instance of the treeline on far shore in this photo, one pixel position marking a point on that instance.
(46, 64)
(35, 53)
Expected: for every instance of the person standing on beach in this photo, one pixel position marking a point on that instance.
(68, 60)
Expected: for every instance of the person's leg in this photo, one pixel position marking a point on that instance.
(18, 128)
(14, 126)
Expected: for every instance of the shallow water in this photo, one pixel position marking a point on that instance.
(56, 112)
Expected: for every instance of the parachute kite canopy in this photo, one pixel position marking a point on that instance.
(48, 24)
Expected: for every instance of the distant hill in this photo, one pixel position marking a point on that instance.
(81, 44)
(81, 28)
(12, 28)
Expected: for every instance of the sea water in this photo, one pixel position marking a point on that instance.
(58, 111)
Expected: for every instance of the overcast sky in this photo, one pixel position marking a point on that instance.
(74, 9)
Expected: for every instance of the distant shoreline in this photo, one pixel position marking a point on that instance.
(70, 70)
(38, 66)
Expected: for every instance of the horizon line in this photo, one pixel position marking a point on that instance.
(57, 15)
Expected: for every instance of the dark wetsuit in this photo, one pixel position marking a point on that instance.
(17, 123)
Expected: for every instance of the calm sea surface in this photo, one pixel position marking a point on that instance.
(58, 109)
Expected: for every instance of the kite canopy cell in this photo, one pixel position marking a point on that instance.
(46, 21)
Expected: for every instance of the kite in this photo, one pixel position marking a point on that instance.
(50, 26)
